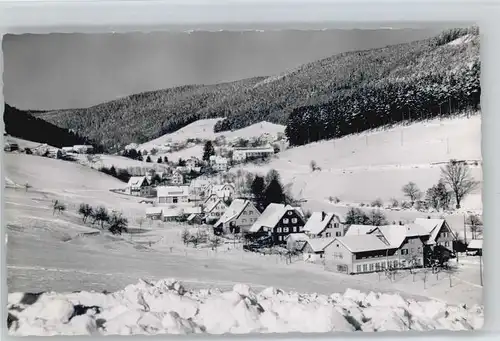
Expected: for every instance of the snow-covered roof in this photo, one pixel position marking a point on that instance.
(211, 207)
(295, 237)
(171, 191)
(172, 212)
(136, 181)
(191, 209)
(365, 242)
(433, 226)
(316, 223)
(192, 216)
(356, 230)
(429, 224)
(270, 217)
(234, 210)
(154, 210)
(319, 244)
(475, 244)
(413, 230)
(394, 234)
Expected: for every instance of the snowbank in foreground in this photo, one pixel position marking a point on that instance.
(166, 307)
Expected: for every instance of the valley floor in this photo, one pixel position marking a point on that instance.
(48, 252)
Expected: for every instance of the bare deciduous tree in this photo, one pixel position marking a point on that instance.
(457, 176)
(140, 221)
(475, 223)
(85, 210)
(412, 192)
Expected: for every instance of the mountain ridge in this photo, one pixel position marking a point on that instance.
(145, 116)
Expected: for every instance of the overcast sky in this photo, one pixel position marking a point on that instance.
(56, 71)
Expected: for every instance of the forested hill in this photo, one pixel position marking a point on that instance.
(24, 125)
(344, 93)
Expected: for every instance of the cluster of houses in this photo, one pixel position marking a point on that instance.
(324, 237)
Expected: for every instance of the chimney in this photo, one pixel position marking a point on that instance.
(323, 215)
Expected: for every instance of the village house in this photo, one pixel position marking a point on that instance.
(296, 241)
(68, 149)
(215, 211)
(210, 200)
(278, 221)
(238, 217)
(219, 163)
(176, 179)
(475, 247)
(138, 186)
(241, 154)
(356, 230)
(440, 233)
(83, 149)
(192, 163)
(172, 194)
(375, 248)
(313, 249)
(224, 191)
(154, 213)
(324, 225)
(11, 146)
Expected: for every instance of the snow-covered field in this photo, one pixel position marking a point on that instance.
(204, 129)
(361, 168)
(166, 306)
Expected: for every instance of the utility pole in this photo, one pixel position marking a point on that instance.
(481, 267)
(465, 232)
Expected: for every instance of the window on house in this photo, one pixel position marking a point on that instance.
(243, 220)
(278, 229)
(285, 221)
(365, 267)
(244, 212)
(382, 265)
(338, 234)
(328, 234)
(250, 212)
(377, 266)
(285, 229)
(336, 225)
(419, 250)
(446, 244)
(290, 213)
(412, 250)
(294, 220)
(358, 268)
(404, 251)
(372, 266)
(395, 264)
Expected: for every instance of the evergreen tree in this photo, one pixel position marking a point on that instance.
(257, 188)
(159, 160)
(274, 193)
(208, 150)
(165, 159)
(148, 159)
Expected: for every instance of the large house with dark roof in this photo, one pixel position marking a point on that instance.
(278, 221)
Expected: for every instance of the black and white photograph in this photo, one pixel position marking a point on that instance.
(243, 181)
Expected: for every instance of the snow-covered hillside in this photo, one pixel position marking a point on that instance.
(204, 129)
(167, 307)
(371, 165)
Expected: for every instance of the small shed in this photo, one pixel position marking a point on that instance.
(475, 246)
(154, 213)
(314, 248)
